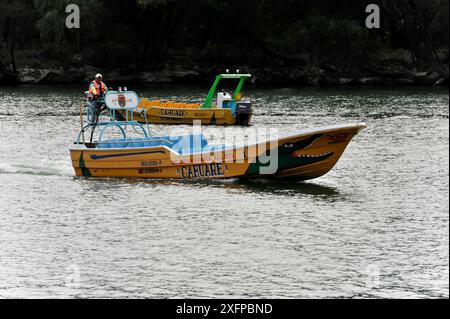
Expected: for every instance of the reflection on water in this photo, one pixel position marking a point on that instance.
(261, 186)
(285, 188)
(375, 226)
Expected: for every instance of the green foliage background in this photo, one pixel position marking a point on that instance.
(150, 34)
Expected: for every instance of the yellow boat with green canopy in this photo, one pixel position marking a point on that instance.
(226, 109)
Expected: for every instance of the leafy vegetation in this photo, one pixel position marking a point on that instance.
(149, 35)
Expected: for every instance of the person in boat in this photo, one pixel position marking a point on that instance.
(97, 88)
(97, 91)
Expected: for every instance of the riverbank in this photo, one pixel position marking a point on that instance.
(392, 68)
(395, 69)
(307, 76)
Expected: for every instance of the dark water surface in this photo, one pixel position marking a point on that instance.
(376, 226)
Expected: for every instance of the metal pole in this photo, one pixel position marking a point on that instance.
(81, 121)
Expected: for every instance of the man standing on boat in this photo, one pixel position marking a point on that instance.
(98, 88)
(97, 91)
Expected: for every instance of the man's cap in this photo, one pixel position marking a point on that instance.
(98, 76)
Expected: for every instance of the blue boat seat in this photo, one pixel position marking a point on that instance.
(181, 144)
(189, 144)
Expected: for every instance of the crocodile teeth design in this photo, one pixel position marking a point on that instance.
(314, 156)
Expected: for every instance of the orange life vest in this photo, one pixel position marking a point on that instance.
(96, 90)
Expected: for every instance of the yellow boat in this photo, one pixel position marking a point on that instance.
(302, 156)
(228, 109)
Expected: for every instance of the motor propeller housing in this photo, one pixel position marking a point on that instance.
(244, 111)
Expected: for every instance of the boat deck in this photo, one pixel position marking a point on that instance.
(187, 144)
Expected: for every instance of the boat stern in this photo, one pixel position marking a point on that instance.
(78, 161)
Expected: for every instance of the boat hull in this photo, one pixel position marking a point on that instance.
(304, 156)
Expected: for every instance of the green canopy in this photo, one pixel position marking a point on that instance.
(242, 77)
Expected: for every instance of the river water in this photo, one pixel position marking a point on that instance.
(377, 226)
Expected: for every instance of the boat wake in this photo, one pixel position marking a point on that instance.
(53, 169)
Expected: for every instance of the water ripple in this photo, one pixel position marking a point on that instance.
(375, 227)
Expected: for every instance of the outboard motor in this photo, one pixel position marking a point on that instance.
(243, 113)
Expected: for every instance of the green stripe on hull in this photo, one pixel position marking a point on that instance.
(285, 162)
(84, 170)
